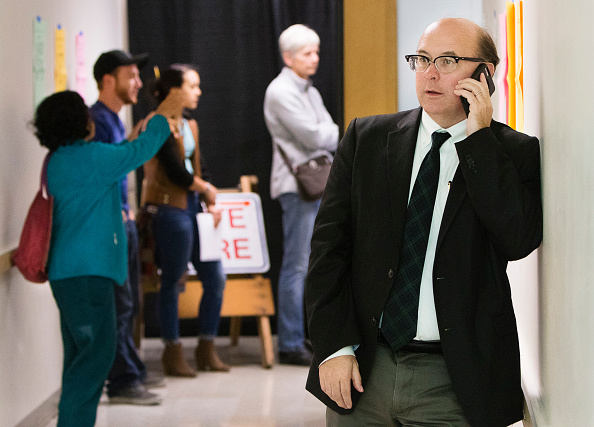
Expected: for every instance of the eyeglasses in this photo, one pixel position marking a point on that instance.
(444, 64)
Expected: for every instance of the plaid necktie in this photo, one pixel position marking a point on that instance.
(399, 322)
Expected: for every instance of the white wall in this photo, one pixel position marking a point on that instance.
(31, 349)
(564, 45)
(555, 318)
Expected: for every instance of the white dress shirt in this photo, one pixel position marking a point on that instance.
(427, 329)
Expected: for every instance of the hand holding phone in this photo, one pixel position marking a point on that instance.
(481, 69)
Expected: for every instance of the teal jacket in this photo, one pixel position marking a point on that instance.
(88, 237)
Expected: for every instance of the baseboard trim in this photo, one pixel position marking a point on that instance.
(44, 413)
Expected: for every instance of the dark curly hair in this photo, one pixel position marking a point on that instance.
(61, 119)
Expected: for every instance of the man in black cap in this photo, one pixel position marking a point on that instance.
(118, 80)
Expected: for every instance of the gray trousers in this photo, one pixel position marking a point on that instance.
(405, 389)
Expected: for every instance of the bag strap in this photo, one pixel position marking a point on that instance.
(196, 160)
(43, 178)
(286, 159)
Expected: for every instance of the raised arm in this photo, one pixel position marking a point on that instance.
(502, 174)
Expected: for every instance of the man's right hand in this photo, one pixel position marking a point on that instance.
(335, 379)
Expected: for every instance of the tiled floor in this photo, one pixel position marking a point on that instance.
(247, 396)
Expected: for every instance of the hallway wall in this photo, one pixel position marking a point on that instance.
(555, 318)
(31, 349)
(563, 34)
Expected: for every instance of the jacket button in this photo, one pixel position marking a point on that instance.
(374, 321)
(391, 274)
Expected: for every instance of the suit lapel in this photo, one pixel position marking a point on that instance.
(400, 154)
(455, 197)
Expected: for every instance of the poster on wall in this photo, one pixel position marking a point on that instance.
(81, 71)
(501, 75)
(514, 52)
(60, 74)
(39, 28)
(519, 48)
(511, 64)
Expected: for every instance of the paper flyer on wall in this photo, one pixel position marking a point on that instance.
(60, 73)
(81, 66)
(39, 28)
(519, 76)
(511, 64)
(501, 75)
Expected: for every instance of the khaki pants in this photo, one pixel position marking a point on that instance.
(405, 389)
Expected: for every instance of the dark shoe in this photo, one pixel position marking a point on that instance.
(135, 396)
(208, 359)
(153, 381)
(301, 358)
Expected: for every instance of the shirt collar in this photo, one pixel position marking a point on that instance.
(106, 108)
(302, 84)
(457, 131)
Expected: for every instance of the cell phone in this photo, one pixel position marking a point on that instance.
(481, 69)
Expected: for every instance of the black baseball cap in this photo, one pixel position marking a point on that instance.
(109, 61)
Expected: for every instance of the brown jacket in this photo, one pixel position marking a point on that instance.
(157, 189)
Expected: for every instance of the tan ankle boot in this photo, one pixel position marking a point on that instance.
(207, 357)
(174, 362)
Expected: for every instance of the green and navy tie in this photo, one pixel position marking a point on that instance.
(399, 321)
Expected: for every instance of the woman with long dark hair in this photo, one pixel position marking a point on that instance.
(173, 189)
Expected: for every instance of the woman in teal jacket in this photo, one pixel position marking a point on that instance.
(88, 245)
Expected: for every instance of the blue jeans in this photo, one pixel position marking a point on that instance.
(298, 221)
(127, 370)
(87, 321)
(176, 241)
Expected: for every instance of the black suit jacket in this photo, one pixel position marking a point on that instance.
(493, 215)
